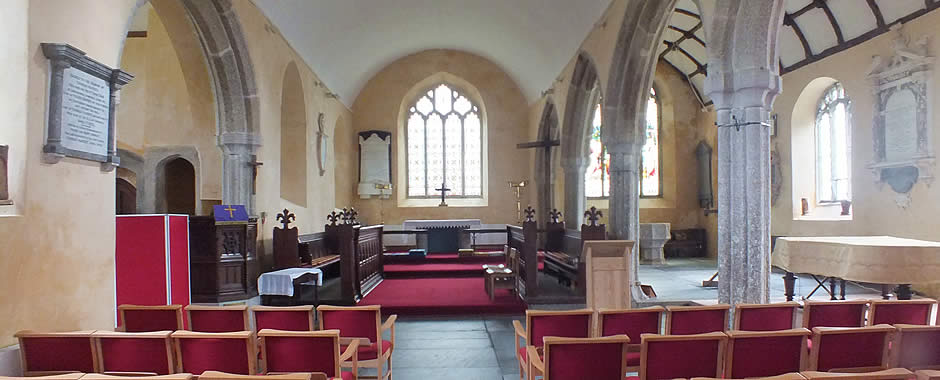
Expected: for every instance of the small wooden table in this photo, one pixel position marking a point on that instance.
(498, 277)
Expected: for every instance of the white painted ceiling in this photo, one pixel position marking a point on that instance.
(348, 41)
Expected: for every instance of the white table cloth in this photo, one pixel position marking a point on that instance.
(873, 259)
(281, 282)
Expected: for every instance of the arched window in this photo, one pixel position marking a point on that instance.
(597, 178)
(833, 182)
(445, 145)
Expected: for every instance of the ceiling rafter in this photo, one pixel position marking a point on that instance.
(688, 81)
(821, 4)
(673, 46)
(860, 39)
(876, 10)
(789, 21)
(688, 13)
(686, 34)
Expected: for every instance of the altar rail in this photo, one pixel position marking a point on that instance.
(360, 252)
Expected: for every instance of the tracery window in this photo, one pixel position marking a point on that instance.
(833, 177)
(597, 177)
(445, 145)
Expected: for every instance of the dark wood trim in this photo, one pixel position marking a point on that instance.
(858, 40)
(876, 10)
(789, 21)
(688, 13)
(805, 9)
(686, 79)
(137, 34)
(538, 144)
(673, 46)
(832, 20)
(688, 34)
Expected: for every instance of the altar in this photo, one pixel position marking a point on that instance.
(443, 236)
(883, 260)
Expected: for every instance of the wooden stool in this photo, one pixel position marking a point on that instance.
(464, 252)
(498, 278)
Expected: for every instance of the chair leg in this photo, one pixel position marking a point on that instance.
(521, 371)
(389, 367)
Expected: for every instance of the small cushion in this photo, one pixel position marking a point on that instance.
(369, 352)
(348, 376)
(633, 359)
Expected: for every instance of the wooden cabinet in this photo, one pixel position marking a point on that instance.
(224, 262)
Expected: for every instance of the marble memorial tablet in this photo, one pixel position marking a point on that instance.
(85, 107)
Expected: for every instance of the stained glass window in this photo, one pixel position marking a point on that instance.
(597, 177)
(445, 145)
(833, 181)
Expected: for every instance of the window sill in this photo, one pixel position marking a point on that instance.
(825, 212)
(823, 218)
(454, 202)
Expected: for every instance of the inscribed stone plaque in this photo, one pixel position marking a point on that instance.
(900, 118)
(85, 107)
(375, 160)
(4, 185)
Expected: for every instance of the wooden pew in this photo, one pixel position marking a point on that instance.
(563, 249)
(525, 240)
(313, 251)
(360, 255)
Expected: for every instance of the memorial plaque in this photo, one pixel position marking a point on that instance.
(375, 158)
(900, 119)
(4, 185)
(82, 101)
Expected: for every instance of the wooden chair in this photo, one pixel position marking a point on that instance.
(927, 374)
(65, 376)
(689, 320)
(916, 347)
(217, 318)
(139, 318)
(633, 323)
(766, 353)
(288, 318)
(580, 358)
(307, 351)
(499, 278)
(365, 324)
(55, 353)
(682, 356)
(765, 317)
(100, 376)
(234, 352)
(908, 312)
(850, 349)
(540, 324)
(216, 375)
(833, 314)
(888, 374)
(787, 376)
(142, 354)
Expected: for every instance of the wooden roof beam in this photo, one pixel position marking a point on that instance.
(876, 10)
(832, 20)
(789, 21)
(673, 46)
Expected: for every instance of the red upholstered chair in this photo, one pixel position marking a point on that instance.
(65, 376)
(123, 353)
(916, 347)
(100, 376)
(56, 353)
(138, 318)
(688, 320)
(766, 353)
(850, 349)
(233, 352)
(216, 375)
(928, 374)
(682, 356)
(363, 323)
(887, 374)
(632, 323)
(765, 317)
(834, 314)
(540, 324)
(306, 351)
(894, 312)
(217, 318)
(289, 318)
(580, 358)
(788, 376)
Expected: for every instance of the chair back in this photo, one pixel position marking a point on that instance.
(766, 353)
(689, 320)
(352, 321)
(765, 317)
(56, 353)
(787, 376)
(585, 358)
(289, 318)
(896, 312)
(217, 318)
(148, 353)
(64, 376)
(682, 356)
(563, 324)
(852, 349)
(300, 351)
(630, 322)
(216, 375)
(834, 314)
(916, 347)
(928, 374)
(197, 352)
(139, 318)
(101, 376)
(887, 374)
(514, 261)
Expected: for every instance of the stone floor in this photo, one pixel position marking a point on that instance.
(481, 347)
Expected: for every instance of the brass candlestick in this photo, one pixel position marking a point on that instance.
(517, 187)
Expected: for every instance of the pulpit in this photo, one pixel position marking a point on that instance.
(223, 262)
(608, 265)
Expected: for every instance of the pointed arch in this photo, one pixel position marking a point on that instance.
(293, 160)
(544, 158)
(583, 93)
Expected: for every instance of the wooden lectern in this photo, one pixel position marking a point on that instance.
(607, 266)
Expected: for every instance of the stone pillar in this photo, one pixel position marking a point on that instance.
(653, 236)
(624, 214)
(237, 175)
(574, 191)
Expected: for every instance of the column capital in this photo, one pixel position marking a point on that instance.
(577, 164)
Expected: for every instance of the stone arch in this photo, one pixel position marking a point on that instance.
(151, 180)
(583, 93)
(544, 160)
(293, 160)
(179, 186)
(216, 24)
(803, 141)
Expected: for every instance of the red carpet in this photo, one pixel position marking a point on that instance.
(433, 270)
(437, 296)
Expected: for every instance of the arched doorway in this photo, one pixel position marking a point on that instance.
(125, 199)
(179, 187)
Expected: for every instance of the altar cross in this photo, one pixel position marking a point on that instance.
(254, 163)
(231, 211)
(443, 191)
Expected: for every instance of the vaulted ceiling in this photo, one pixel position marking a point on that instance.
(349, 41)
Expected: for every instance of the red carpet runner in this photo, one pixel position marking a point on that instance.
(440, 285)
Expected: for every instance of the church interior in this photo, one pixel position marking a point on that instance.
(592, 189)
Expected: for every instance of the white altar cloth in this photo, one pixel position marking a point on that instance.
(281, 282)
(873, 259)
